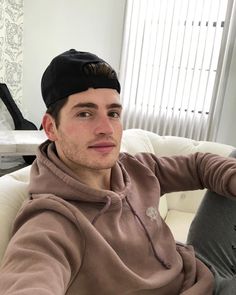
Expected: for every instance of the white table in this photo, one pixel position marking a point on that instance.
(20, 142)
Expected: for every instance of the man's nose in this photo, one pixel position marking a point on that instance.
(104, 126)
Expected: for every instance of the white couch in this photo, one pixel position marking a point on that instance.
(178, 209)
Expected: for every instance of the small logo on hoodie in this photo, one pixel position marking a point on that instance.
(152, 212)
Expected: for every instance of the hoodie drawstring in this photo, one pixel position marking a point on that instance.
(104, 209)
(165, 264)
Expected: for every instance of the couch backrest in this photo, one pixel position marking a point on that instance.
(137, 140)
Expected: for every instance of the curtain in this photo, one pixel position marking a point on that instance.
(227, 45)
(11, 53)
(173, 65)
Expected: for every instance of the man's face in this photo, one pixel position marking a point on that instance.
(90, 130)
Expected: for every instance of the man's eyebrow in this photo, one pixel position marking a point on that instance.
(95, 106)
(85, 105)
(114, 106)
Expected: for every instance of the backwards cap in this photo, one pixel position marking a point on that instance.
(65, 75)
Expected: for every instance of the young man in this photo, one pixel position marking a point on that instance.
(85, 229)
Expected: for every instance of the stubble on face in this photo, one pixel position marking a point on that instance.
(81, 157)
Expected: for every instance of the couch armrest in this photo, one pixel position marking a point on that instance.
(12, 194)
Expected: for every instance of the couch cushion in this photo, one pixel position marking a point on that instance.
(187, 201)
(179, 223)
(163, 207)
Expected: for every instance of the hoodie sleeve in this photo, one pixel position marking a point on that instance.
(43, 256)
(194, 171)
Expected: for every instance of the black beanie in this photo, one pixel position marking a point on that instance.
(65, 76)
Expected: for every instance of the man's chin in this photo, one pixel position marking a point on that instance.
(104, 166)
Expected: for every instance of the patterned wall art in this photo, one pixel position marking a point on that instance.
(11, 54)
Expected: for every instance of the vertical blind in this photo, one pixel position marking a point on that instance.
(169, 62)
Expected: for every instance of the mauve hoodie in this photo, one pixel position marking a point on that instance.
(72, 239)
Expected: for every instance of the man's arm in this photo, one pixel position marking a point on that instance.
(194, 171)
(42, 257)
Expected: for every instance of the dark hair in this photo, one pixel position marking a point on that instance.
(55, 108)
(101, 69)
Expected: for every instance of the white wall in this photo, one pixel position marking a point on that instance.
(54, 26)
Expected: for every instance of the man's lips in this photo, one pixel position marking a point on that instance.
(102, 146)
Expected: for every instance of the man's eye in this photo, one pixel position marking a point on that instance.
(83, 114)
(114, 114)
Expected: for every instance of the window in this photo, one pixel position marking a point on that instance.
(169, 63)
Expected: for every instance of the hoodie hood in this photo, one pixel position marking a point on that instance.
(57, 179)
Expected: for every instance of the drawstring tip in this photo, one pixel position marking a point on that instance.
(167, 265)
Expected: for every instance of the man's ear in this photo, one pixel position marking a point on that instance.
(49, 127)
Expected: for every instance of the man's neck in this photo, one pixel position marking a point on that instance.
(97, 179)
